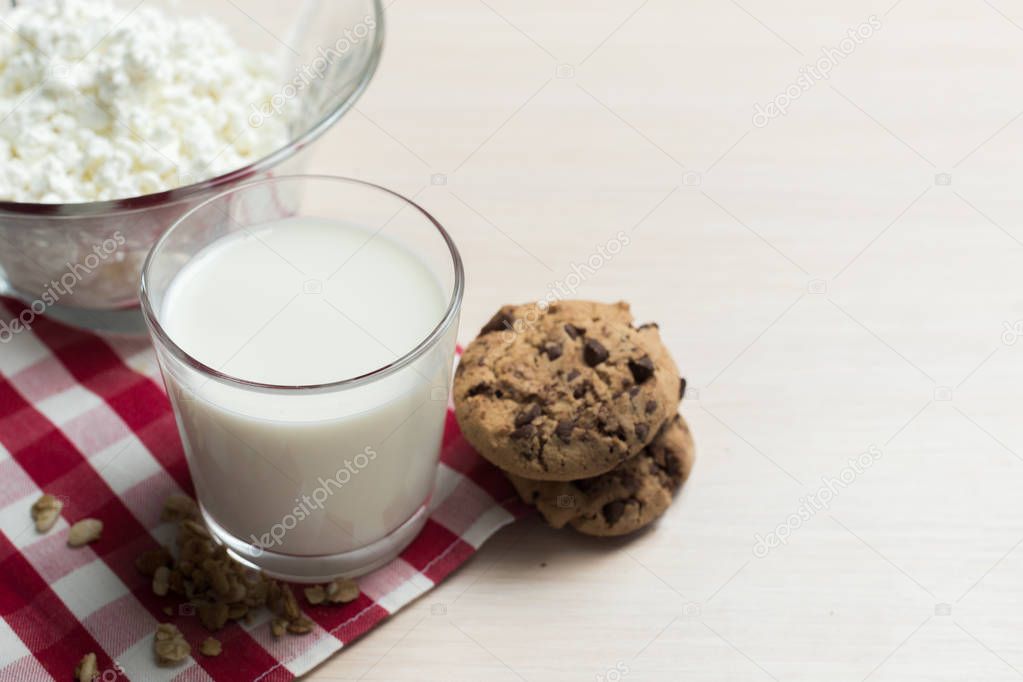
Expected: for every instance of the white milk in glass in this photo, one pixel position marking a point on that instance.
(299, 302)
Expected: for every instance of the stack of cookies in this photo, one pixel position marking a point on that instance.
(580, 409)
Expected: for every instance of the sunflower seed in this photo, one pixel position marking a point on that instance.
(84, 532)
(46, 511)
(86, 670)
(210, 647)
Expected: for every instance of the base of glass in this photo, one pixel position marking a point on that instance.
(320, 568)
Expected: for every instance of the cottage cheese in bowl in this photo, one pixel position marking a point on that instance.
(117, 117)
(108, 102)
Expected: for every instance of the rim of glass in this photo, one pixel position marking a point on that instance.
(177, 194)
(450, 313)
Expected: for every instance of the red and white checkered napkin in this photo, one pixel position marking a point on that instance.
(86, 420)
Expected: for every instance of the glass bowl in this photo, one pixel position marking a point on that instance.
(80, 263)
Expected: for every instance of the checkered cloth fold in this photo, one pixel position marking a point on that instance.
(85, 419)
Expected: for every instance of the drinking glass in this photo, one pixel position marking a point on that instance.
(333, 478)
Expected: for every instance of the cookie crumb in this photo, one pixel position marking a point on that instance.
(86, 671)
(46, 511)
(210, 646)
(169, 645)
(84, 532)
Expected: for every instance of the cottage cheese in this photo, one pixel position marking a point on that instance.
(100, 102)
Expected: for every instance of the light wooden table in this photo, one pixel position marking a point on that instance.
(847, 277)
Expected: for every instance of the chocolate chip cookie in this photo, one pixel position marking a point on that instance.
(624, 499)
(566, 391)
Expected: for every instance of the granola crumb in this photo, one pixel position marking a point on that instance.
(217, 589)
(282, 602)
(161, 581)
(278, 626)
(210, 647)
(46, 511)
(178, 508)
(84, 532)
(86, 671)
(342, 591)
(301, 626)
(152, 559)
(213, 615)
(169, 645)
(315, 594)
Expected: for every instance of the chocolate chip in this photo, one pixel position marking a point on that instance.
(573, 331)
(672, 466)
(613, 511)
(527, 415)
(641, 369)
(552, 350)
(606, 429)
(648, 325)
(634, 391)
(682, 388)
(523, 432)
(580, 390)
(501, 321)
(564, 429)
(572, 375)
(478, 389)
(585, 485)
(651, 405)
(642, 431)
(594, 353)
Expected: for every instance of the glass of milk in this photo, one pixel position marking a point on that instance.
(305, 327)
